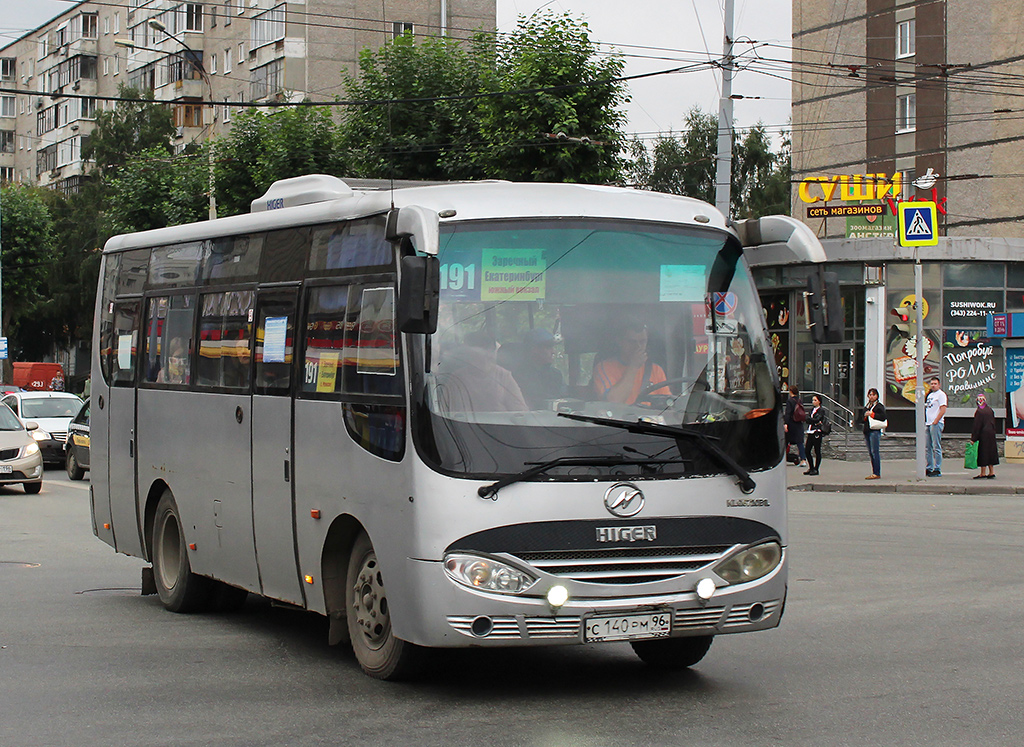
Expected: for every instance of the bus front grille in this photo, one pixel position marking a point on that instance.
(624, 565)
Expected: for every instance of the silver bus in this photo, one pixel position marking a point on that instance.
(467, 414)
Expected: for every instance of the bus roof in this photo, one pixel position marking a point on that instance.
(319, 199)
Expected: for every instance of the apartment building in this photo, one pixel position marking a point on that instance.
(54, 79)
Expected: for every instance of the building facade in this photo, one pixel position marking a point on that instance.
(55, 78)
(899, 100)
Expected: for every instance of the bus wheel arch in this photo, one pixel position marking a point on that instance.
(333, 569)
(156, 491)
(179, 589)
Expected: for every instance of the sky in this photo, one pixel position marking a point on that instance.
(653, 35)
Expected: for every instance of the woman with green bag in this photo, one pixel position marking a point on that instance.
(983, 439)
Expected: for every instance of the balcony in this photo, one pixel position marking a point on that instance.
(182, 89)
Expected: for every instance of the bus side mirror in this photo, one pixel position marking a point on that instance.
(824, 307)
(418, 288)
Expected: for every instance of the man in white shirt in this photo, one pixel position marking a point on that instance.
(935, 420)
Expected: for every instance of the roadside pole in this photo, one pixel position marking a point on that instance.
(723, 172)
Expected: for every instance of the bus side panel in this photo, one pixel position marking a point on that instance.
(99, 433)
(199, 446)
(335, 475)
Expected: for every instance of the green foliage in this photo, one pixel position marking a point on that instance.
(27, 241)
(436, 109)
(128, 128)
(153, 190)
(262, 148)
(686, 165)
(581, 99)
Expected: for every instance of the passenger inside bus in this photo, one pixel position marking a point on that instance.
(622, 376)
(174, 371)
(470, 379)
(534, 369)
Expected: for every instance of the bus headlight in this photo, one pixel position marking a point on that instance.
(750, 564)
(487, 574)
(30, 449)
(40, 435)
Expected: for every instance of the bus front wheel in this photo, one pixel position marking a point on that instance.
(179, 589)
(375, 646)
(672, 653)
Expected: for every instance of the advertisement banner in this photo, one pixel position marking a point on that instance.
(1015, 392)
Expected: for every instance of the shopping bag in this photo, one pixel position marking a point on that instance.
(971, 455)
(877, 425)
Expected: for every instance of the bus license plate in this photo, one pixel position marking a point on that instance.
(6, 469)
(627, 627)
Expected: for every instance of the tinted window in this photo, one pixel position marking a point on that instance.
(275, 347)
(284, 255)
(233, 258)
(124, 344)
(349, 245)
(131, 276)
(225, 329)
(169, 340)
(176, 265)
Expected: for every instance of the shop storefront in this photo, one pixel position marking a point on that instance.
(965, 280)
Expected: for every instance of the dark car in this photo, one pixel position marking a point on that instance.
(77, 446)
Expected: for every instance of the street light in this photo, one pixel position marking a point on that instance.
(196, 62)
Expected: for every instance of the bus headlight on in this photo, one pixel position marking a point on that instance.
(487, 574)
(750, 564)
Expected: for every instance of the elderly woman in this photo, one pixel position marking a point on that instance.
(984, 432)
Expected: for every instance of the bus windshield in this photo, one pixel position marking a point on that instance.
(611, 319)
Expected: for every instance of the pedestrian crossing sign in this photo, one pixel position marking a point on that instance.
(917, 224)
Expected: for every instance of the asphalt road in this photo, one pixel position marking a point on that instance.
(902, 628)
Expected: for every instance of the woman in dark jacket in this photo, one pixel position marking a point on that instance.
(795, 427)
(815, 434)
(984, 432)
(876, 410)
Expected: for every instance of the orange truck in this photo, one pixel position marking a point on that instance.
(39, 376)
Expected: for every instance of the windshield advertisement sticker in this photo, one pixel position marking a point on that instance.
(327, 371)
(512, 275)
(275, 332)
(682, 283)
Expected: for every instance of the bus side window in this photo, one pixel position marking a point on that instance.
(326, 317)
(371, 355)
(124, 344)
(225, 332)
(275, 345)
(169, 340)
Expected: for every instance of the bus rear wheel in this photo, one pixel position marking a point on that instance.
(374, 644)
(179, 589)
(672, 653)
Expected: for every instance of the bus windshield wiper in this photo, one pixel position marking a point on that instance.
(703, 441)
(536, 468)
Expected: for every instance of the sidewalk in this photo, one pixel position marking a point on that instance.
(900, 476)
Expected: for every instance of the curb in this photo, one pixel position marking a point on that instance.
(929, 489)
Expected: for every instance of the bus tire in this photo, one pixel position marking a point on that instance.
(75, 472)
(179, 589)
(672, 653)
(378, 651)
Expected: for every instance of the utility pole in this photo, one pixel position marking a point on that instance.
(723, 174)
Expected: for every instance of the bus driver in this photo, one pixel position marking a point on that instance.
(623, 376)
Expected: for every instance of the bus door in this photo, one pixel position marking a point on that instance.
(273, 507)
(122, 440)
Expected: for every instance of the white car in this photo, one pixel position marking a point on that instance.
(52, 412)
(20, 458)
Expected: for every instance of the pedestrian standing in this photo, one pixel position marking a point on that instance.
(873, 410)
(984, 432)
(935, 418)
(815, 435)
(794, 422)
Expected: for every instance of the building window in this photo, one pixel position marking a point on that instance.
(6, 141)
(906, 113)
(87, 108)
(227, 12)
(227, 61)
(7, 106)
(241, 52)
(186, 67)
(90, 25)
(193, 17)
(6, 174)
(106, 66)
(106, 24)
(266, 80)
(117, 23)
(188, 115)
(267, 27)
(905, 32)
(401, 28)
(240, 6)
(213, 64)
(213, 16)
(227, 110)
(7, 68)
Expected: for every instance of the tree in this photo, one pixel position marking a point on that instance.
(27, 242)
(129, 128)
(686, 165)
(153, 190)
(553, 83)
(262, 148)
(537, 105)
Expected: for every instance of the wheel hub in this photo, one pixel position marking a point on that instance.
(370, 604)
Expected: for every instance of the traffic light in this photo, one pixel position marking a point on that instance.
(824, 307)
